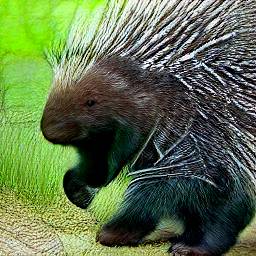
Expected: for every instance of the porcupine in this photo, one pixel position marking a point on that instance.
(167, 88)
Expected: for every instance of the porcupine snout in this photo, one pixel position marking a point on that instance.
(59, 129)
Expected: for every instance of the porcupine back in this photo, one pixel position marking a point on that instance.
(210, 46)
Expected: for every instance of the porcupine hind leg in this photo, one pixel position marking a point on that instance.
(212, 229)
(204, 239)
(213, 238)
(137, 217)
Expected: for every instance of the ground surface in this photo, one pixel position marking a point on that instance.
(66, 230)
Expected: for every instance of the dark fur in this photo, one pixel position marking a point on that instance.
(110, 134)
(213, 218)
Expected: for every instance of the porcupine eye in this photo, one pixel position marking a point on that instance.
(90, 103)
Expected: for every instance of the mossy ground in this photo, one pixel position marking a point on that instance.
(63, 229)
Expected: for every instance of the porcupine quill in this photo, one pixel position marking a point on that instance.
(203, 44)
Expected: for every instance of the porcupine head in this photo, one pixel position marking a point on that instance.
(107, 115)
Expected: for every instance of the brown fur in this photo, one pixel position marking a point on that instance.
(122, 93)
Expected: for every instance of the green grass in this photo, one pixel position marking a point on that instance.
(30, 166)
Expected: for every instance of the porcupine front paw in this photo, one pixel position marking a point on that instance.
(180, 249)
(113, 236)
(77, 191)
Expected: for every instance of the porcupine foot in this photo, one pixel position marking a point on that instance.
(206, 236)
(126, 228)
(119, 237)
(133, 221)
(180, 249)
(77, 191)
(190, 242)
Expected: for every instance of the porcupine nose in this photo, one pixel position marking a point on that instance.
(59, 130)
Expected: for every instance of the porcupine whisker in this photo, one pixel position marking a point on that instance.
(164, 173)
(153, 171)
(172, 147)
(186, 153)
(161, 155)
(203, 178)
(169, 175)
(181, 139)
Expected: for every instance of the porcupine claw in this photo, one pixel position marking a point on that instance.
(184, 250)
